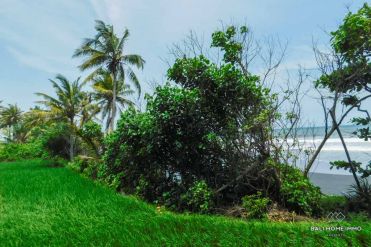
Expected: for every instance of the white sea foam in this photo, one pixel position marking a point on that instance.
(335, 144)
(359, 149)
(330, 140)
(341, 149)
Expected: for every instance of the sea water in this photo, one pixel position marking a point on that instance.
(359, 149)
(333, 181)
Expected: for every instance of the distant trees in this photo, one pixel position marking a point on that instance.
(106, 51)
(10, 118)
(67, 117)
(67, 105)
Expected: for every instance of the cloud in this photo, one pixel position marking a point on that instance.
(33, 61)
(43, 38)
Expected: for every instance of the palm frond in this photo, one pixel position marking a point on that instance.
(133, 59)
(134, 79)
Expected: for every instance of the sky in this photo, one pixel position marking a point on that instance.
(38, 38)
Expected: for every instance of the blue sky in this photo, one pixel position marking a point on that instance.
(37, 38)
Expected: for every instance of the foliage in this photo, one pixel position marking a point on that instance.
(91, 133)
(70, 105)
(297, 192)
(10, 118)
(106, 52)
(103, 94)
(353, 36)
(54, 139)
(359, 199)
(21, 151)
(352, 43)
(357, 166)
(351, 80)
(86, 165)
(199, 197)
(134, 128)
(212, 126)
(256, 205)
(141, 187)
(329, 204)
(225, 40)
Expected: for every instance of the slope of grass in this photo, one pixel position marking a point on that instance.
(40, 205)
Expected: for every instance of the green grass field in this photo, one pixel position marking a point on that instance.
(41, 205)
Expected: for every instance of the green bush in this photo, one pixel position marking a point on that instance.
(359, 199)
(330, 204)
(297, 192)
(88, 166)
(142, 187)
(55, 139)
(256, 205)
(211, 124)
(199, 197)
(20, 151)
(92, 136)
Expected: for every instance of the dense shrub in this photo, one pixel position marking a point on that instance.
(330, 204)
(199, 197)
(44, 141)
(19, 151)
(359, 199)
(297, 192)
(256, 205)
(88, 166)
(213, 126)
(92, 139)
(54, 139)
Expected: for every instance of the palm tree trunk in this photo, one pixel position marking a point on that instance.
(72, 146)
(72, 141)
(108, 123)
(113, 111)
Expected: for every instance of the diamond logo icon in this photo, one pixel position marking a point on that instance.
(336, 216)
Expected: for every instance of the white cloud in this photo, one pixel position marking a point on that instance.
(34, 61)
(43, 39)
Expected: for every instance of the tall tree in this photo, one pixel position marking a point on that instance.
(104, 94)
(106, 50)
(346, 75)
(67, 105)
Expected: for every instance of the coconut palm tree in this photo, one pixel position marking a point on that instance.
(10, 117)
(106, 50)
(67, 105)
(103, 94)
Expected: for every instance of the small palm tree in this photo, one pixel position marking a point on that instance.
(103, 94)
(106, 50)
(10, 117)
(67, 105)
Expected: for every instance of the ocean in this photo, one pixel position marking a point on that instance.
(333, 181)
